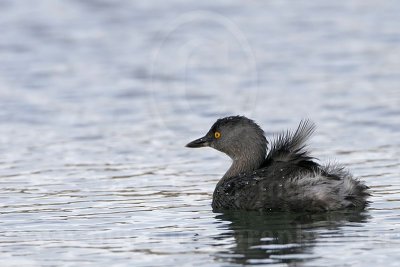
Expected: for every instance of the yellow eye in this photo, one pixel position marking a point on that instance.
(217, 135)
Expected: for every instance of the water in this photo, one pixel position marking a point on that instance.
(98, 99)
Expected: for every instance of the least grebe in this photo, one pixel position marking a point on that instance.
(286, 178)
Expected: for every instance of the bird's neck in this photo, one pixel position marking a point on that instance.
(246, 158)
(243, 165)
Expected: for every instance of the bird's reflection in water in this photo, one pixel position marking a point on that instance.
(278, 237)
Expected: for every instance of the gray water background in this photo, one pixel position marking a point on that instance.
(98, 99)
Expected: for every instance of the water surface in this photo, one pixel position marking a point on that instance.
(99, 98)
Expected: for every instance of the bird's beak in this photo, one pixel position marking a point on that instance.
(201, 142)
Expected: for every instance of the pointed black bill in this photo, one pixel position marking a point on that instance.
(201, 142)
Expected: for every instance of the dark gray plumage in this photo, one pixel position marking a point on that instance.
(287, 178)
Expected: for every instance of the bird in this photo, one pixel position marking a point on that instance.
(277, 176)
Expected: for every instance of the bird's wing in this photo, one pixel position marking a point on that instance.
(291, 146)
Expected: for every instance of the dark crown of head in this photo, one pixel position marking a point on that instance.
(230, 120)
